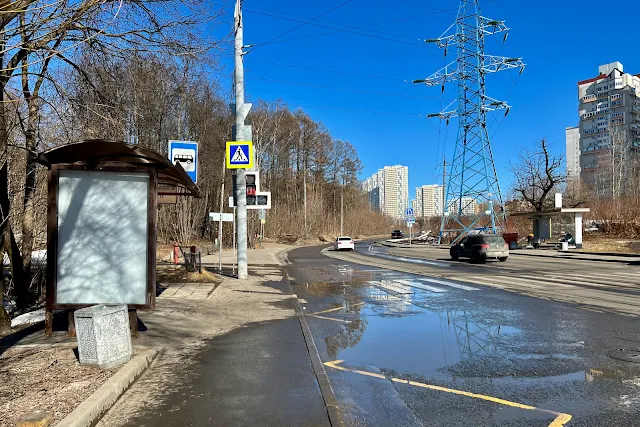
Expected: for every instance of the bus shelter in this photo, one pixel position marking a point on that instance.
(101, 224)
(542, 222)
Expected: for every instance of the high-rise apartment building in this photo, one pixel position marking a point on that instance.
(388, 190)
(428, 201)
(609, 126)
(573, 153)
(469, 206)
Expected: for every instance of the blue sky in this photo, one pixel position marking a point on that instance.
(561, 42)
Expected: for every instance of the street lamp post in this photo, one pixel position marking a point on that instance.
(304, 182)
(342, 207)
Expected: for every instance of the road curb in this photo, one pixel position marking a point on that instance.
(330, 401)
(565, 255)
(577, 258)
(89, 412)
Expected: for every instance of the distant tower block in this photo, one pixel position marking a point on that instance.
(473, 199)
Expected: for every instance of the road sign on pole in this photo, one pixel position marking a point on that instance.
(185, 153)
(409, 212)
(239, 155)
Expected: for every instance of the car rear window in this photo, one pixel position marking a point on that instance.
(493, 239)
(345, 238)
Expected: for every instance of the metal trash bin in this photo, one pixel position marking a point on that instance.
(564, 246)
(104, 336)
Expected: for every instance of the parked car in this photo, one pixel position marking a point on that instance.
(397, 234)
(480, 247)
(344, 243)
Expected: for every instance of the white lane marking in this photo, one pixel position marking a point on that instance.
(415, 284)
(622, 277)
(484, 281)
(453, 285)
(530, 283)
(589, 279)
(398, 289)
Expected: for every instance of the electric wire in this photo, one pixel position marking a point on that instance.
(342, 89)
(305, 23)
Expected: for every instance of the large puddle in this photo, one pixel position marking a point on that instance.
(393, 323)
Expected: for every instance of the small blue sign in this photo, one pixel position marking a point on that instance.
(185, 153)
(409, 212)
(239, 155)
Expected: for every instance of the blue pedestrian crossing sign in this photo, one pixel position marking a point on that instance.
(185, 153)
(239, 155)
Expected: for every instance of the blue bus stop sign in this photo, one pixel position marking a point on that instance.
(185, 153)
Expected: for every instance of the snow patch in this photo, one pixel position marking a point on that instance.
(28, 318)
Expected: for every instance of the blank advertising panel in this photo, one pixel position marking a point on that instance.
(102, 237)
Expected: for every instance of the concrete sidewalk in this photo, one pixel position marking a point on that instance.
(268, 255)
(234, 355)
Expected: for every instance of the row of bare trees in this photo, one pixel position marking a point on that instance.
(142, 72)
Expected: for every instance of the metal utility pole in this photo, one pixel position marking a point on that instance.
(342, 208)
(304, 182)
(224, 162)
(241, 183)
(473, 180)
(444, 195)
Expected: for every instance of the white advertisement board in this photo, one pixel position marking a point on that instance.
(102, 237)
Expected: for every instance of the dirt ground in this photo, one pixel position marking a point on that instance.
(45, 379)
(603, 244)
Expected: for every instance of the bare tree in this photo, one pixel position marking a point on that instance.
(35, 35)
(537, 175)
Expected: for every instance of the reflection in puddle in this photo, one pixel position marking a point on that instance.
(611, 374)
(424, 341)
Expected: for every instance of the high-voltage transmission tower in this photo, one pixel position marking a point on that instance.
(473, 200)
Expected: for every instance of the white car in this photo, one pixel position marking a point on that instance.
(344, 242)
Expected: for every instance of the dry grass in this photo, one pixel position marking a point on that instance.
(49, 380)
(178, 274)
(603, 244)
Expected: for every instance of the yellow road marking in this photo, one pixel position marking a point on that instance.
(560, 420)
(335, 363)
(466, 393)
(331, 318)
(336, 309)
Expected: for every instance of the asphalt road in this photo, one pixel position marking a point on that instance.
(451, 348)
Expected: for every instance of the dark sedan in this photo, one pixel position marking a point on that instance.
(480, 247)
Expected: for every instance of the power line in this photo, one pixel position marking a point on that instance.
(306, 22)
(391, 113)
(363, 27)
(430, 7)
(335, 29)
(331, 71)
(347, 27)
(343, 89)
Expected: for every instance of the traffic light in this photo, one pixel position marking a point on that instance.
(262, 200)
(252, 180)
(252, 184)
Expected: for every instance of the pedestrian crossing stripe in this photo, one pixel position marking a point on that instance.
(421, 286)
(239, 155)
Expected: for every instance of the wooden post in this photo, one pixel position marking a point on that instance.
(48, 322)
(133, 322)
(71, 326)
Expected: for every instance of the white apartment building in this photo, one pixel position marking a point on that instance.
(428, 201)
(573, 153)
(608, 103)
(469, 206)
(388, 190)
